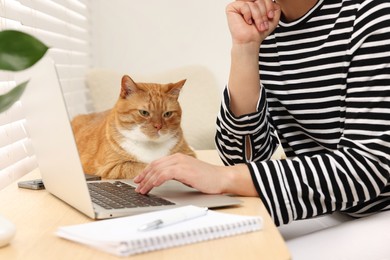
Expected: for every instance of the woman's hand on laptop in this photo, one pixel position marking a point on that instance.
(195, 173)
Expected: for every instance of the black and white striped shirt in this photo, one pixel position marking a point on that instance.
(326, 93)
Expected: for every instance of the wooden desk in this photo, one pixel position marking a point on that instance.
(37, 214)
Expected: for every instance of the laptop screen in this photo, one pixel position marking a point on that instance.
(52, 137)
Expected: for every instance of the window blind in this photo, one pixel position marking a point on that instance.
(64, 26)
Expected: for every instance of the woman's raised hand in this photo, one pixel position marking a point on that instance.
(251, 21)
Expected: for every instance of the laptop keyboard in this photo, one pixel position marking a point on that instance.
(119, 195)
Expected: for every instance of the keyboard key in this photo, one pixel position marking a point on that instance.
(119, 195)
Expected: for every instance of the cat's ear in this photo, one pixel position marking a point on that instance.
(175, 88)
(128, 86)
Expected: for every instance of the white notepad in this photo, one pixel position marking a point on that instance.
(121, 236)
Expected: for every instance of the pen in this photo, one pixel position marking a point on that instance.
(173, 219)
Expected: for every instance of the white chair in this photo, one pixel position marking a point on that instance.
(340, 238)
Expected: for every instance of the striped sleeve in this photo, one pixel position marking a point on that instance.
(338, 159)
(232, 132)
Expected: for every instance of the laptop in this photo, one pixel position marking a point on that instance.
(49, 127)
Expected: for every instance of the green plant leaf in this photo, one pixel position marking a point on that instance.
(8, 99)
(19, 51)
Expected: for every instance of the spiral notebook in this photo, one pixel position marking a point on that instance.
(121, 236)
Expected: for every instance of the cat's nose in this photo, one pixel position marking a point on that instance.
(158, 126)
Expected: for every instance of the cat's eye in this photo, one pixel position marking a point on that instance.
(167, 114)
(144, 113)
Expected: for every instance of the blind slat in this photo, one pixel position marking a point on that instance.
(14, 153)
(6, 79)
(12, 133)
(61, 56)
(17, 170)
(13, 114)
(77, 6)
(58, 40)
(55, 10)
(9, 24)
(36, 19)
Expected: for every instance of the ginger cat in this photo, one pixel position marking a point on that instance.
(143, 125)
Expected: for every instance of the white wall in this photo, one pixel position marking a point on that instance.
(141, 37)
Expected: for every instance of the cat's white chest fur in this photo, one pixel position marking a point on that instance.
(140, 146)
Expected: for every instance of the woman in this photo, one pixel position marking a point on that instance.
(323, 89)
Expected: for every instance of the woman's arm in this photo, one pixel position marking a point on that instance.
(202, 176)
(250, 22)
(243, 115)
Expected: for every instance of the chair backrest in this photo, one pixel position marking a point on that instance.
(200, 98)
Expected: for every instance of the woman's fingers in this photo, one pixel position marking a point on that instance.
(257, 12)
(155, 174)
(259, 15)
(183, 168)
(245, 10)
